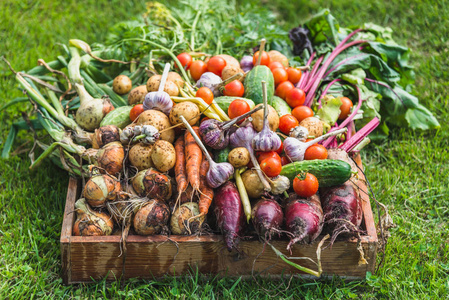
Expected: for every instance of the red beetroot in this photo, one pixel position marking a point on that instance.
(304, 219)
(342, 209)
(229, 213)
(267, 217)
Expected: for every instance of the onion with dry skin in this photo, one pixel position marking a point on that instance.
(182, 221)
(152, 184)
(105, 135)
(101, 188)
(89, 222)
(110, 158)
(151, 218)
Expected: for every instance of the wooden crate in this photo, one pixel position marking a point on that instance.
(85, 259)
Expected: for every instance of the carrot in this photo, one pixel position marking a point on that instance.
(180, 166)
(193, 159)
(206, 192)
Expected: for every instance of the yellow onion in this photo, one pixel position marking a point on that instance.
(152, 184)
(89, 222)
(105, 135)
(101, 188)
(183, 220)
(109, 158)
(151, 218)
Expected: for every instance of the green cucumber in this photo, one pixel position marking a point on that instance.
(222, 155)
(281, 107)
(329, 172)
(253, 85)
(118, 117)
(224, 101)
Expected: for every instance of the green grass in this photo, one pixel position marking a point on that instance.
(408, 172)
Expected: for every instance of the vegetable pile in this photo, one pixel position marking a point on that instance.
(182, 124)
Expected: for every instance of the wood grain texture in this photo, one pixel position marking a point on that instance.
(88, 258)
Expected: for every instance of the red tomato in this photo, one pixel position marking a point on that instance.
(216, 64)
(265, 60)
(285, 160)
(274, 65)
(185, 59)
(280, 75)
(272, 167)
(206, 94)
(295, 97)
(283, 88)
(316, 151)
(306, 187)
(281, 148)
(294, 75)
(237, 108)
(286, 123)
(302, 112)
(234, 89)
(345, 108)
(264, 155)
(135, 111)
(197, 68)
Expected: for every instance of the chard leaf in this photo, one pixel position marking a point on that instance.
(323, 29)
(330, 109)
(421, 118)
(356, 76)
(370, 106)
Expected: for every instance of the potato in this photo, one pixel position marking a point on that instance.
(160, 121)
(252, 183)
(313, 125)
(278, 56)
(230, 71)
(230, 61)
(188, 109)
(239, 157)
(170, 87)
(137, 95)
(122, 84)
(140, 156)
(176, 78)
(163, 155)
(273, 119)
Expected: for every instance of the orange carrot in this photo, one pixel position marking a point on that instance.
(206, 192)
(180, 166)
(193, 159)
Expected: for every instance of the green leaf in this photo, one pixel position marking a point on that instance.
(330, 109)
(323, 28)
(356, 76)
(421, 118)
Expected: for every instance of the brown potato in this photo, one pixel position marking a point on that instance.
(239, 157)
(170, 87)
(122, 84)
(140, 156)
(230, 71)
(273, 119)
(137, 95)
(313, 125)
(163, 155)
(278, 56)
(188, 109)
(176, 78)
(160, 121)
(230, 61)
(252, 183)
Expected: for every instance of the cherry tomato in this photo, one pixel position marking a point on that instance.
(345, 108)
(237, 108)
(281, 148)
(274, 65)
(234, 89)
(316, 151)
(305, 186)
(294, 75)
(283, 88)
(280, 75)
(272, 167)
(135, 111)
(216, 64)
(302, 112)
(264, 155)
(295, 97)
(185, 59)
(197, 68)
(286, 123)
(285, 160)
(206, 94)
(265, 60)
